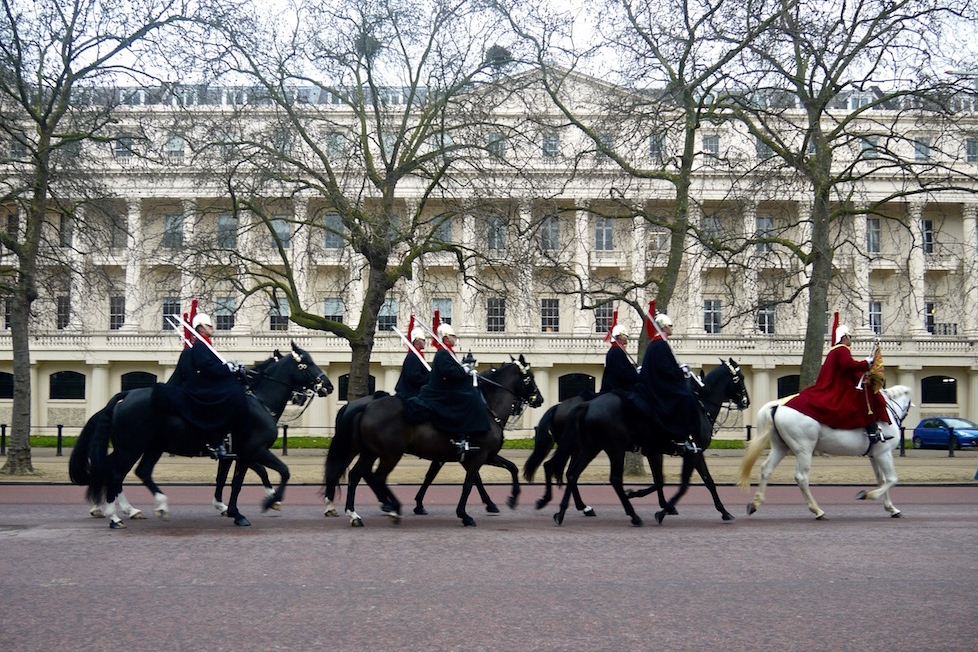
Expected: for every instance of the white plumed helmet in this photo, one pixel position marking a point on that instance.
(445, 329)
(202, 318)
(417, 334)
(619, 330)
(662, 319)
(841, 332)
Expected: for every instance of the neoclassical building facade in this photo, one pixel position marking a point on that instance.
(908, 276)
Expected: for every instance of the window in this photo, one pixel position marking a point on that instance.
(174, 147)
(763, 228)
(137, 380)
(122, 147)
(712, 316)
(711, 227)
(550, 315)
(762, 149)
(444, 308)
(765, 320)
(68, 385)
(570, 385)
(971, 150)
(171, 307)
(13, 224)
(278, 314)
(927, 235)
(6, 385)
(496, 145)
(333, 309)
(788, 385)
(282, 232)
(173, 231)
(227, 230)
(117, 312)
(335, 144)
(66, 230)
(876, 317)
(921, 149)
(118, 235)
(660, 240)
(224, 310)
(443, 232)
(496, 315)
(858, 101)
(343, 386)
(603, 315)
(387, 317)
(18, 150)
(939, 389)
(7, 312)
(63, 316)
(551, 145)
(333, 231)
(281, 142)
(929, 320)
(604, 234)
(496, 233)
(657, 147)
(711, 145)
(550, 233)
(869, 147)
(873, 235)
(605, 144)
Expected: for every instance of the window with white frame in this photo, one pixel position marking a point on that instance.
(224, 313)
(171, 307)
(765, 319)
(869, 147)
(930, 309)
(921, 149)
(122, 146)
(175, 146)
(444, 307)
(971, 150)
(603, 315)
(496, 145)
(660, 240)
(496, 314)
(711, 144)
(333, 237)
(282, 232)
(333, 309)
(927, 235)
(763, 228)
(18, 150)
(66, 230)
(118, 235)
(550, 145)
(278, 314)
(63, 316)
(604, 232)
(550, 233)
(173, 231)
(762, 149)
(335, 144)
(496, 232)
(874, 235)
(550, 315)
(8, 311)
(443, 232)
(117, 312)
(876, 317)
(657, 146)
(227, 231)
(712, 318)
(387, 317)
(710, 227)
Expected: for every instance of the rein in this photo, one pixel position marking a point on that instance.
(307, 394)
(515, 410)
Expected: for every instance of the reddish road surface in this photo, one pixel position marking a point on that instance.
(778, 580)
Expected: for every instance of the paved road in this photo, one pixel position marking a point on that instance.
(778, 580)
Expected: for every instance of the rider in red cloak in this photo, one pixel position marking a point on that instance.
(840, 398)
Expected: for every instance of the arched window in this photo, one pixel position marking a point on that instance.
(787, 385)
(570, 385)
(344, 385)
(67, 385)
(137, 379)
(938, 389)
(6, 385)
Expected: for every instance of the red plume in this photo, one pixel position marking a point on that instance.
(188, 317)
(614, 322)
(835, 326)
(649, 327)
(410, 329)
(435, 323)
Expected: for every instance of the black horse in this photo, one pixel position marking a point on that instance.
(605, 424)
(378, 432)
(548, 432)
(138, 429)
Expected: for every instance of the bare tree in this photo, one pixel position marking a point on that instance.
(51, 54)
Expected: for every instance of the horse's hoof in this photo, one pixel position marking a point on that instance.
(751, 509)
(589, 511)
(821, 517)
(241, 521)
(117, 525)
(162, 514)
(331, 512)
(420, 511)
(269, 503)
(629, 493)
(897, 514)
(387, 508)
(540, 504)
(660, 516)
(861, 495)
(672, 511)
(276, 506)
(468, 521)
(96, 512)
(137, 515)
(356, 522)
(511, 502)
(636, 521)
(492, 508)
(727, 516)
(559, 518)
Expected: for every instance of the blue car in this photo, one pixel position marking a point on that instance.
(933, 432)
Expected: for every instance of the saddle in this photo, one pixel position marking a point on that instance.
(415, 411)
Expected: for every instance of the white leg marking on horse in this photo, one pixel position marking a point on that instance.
(162, 508)
(330, 508)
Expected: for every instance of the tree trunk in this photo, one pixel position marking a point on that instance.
(19, 448)
(635, 465)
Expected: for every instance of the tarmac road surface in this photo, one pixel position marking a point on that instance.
(295, 580)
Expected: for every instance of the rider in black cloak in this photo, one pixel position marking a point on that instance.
(619, 372)
(414, 374)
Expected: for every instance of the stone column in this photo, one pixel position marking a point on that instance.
(969, 313)
(581, 264)
(860, 278)
(300, 254)
(133, 280)
(696, 262)
(749, 281)
(918, 289)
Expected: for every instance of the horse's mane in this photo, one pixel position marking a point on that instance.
(265, 364)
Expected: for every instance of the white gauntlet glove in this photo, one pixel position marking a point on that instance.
(232, 366)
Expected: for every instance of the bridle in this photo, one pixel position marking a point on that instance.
(523, 399)
(312, 384)
(729, 405)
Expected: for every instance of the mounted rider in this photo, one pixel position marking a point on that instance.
(452, 398)
(619, 371)
(663, 393)
(840, 397)
(414, 370)
(205, 391)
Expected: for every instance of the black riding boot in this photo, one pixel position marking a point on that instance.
(462, 446)
(220, 451)
(874, 434)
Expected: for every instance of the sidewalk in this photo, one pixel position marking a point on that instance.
(306, 466)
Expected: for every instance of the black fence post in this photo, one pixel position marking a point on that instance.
(950, 442)
(60, 428)
(748, 431)
(903, 442)
(285, 439)
(3, 439)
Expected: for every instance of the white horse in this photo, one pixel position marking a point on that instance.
(791, 431)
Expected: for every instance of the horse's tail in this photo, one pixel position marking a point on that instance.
(79, 471)
(573, 427)
(342, 448)
(543, 441)
(765, 427)
(98, 449)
